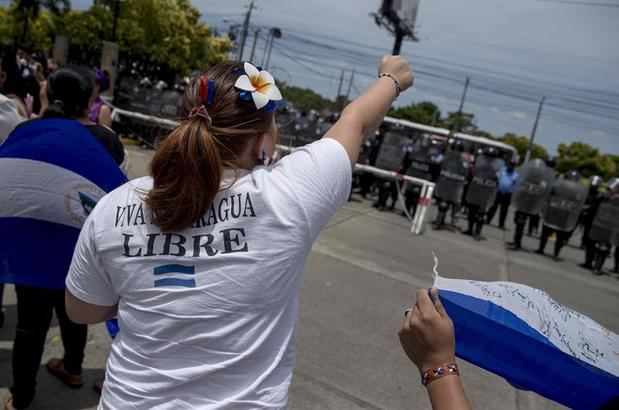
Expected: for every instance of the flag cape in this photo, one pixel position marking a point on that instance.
(522, 334)
(52, 173)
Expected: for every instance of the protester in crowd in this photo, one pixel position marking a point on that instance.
(68, 88)
(9, 112)
(507, 182)
(202, 261)
(427, 337)
(9, 116)
(52, 65)
(32, 88)
(12, 85)
(100, 113)
(59, 172)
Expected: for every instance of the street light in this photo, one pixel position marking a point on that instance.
(274, 33)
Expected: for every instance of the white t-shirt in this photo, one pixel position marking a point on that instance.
(207, 315)
(9, 117)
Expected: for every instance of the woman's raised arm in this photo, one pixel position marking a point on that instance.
(365, 113)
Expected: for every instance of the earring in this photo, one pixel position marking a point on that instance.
(264, 159)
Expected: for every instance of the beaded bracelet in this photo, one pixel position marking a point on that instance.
(449, 369)
(397, 83)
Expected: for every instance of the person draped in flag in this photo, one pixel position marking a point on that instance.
(53, 170)
(201, 261)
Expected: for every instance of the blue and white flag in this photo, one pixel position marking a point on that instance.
(522, 334)
(52, 173)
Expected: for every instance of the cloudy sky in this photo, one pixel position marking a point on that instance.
(514, 51)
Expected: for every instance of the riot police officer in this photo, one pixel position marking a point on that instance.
(530, 195)
(417, 163)
(588, 211)
(567, 195)
(450, 183)
(370, 152)
(482, 190)
(604, 232)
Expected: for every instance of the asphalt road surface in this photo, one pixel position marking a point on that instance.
(363, 272)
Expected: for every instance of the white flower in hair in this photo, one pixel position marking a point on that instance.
(260, 84)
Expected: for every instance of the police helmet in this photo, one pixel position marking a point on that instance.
(572, 176)
(613, 185)
(457, 145)
(595, 181)
(491, 152)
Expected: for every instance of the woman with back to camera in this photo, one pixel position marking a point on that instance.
(202, 260)
(53, 169)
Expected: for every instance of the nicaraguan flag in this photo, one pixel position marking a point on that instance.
(535, 343)
(52, 173)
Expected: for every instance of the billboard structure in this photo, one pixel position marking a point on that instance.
(398, 16)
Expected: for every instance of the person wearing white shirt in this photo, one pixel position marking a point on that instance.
(201, 261)
(9, 117)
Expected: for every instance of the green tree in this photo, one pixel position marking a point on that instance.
(464, 123)
(585, 159)
(305, 99)
(7, 25)
(26, 11)
(166, 32)
(424, 112)
(521, 143)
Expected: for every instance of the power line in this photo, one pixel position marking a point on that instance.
(580, 3)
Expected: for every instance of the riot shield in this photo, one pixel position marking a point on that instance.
(605, 227)
(563, 205)
(483, 186)
(420, 162)
(391, 151)
(533, 187)
(450, 182)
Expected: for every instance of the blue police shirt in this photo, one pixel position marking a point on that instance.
(507, 181)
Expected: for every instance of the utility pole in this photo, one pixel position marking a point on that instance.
(339, 87)
(274, 33)
(115, 19)
(454, 126)
(352, 77)
(253, 47)
(239, 55)
(530, 147)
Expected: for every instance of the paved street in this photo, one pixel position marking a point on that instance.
(363, 272)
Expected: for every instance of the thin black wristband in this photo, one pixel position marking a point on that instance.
(397, 83)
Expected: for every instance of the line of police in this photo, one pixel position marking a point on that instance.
(471, 182)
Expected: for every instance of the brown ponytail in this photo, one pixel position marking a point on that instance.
(188, 166)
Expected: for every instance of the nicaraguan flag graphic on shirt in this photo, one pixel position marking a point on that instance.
(52, 173)
(522, 334)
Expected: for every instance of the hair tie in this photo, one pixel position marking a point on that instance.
(202, 89)
(201, 112)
